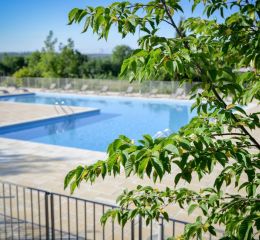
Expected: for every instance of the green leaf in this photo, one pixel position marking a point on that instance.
(185, 144)
(245, 229)
(172, 149)
(69, 177)
(72, 15)
(165, 216)
(221, 157)
(177, 178)
(73, 186)
(142, 166)
(191, 208)
(230, 106)
(129, 167)
(158, 167)
(212, 230)
(148, 140)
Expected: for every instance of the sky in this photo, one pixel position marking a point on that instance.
(24, 25)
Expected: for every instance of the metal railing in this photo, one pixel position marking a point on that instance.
(96, 85)
(30, 213)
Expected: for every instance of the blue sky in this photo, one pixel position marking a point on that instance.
(24, 25)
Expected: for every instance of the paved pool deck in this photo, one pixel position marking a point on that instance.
(14, 113)
(45, 166)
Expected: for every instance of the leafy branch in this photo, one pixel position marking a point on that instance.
(212, 86)
(209, 54)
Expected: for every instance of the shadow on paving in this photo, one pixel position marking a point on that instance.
(13, 228)
(14, 164)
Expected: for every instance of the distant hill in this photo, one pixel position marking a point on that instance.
(98, 55)
(24, 54)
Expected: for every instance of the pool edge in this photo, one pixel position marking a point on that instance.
(17, 95)
(38, 122)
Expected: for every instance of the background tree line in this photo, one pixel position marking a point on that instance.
(63, 61)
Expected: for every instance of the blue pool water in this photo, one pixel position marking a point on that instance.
(128, 116)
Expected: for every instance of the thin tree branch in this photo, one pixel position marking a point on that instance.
(164, 20)
(143, 5)
(248, 146)
(228, 134)
(213, 87)
(171, 19)
(235, 118)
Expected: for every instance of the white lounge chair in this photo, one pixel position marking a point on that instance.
(104, 89)
(52, 86)
(179, 93)
(153, 92)
(67, 87)
(84, 88)
(129, 90)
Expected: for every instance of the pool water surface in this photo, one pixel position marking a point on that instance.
(118, 115)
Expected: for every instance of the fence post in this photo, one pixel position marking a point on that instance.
(47, 215)
(133, 229)
(52, 218)
(161, 231)
(140, 228)
(173, 228)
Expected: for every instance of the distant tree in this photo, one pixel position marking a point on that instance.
(107, 67)
(50, 42)
(49, 58)
(2, 69)
(33, 67)
(120, 53)
(11, 64)
(66, 62)
(99, 68)
(48, 63)
(41, 64)
(70, 60)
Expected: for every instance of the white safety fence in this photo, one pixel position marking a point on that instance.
(99, 85)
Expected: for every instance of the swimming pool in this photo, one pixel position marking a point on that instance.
(118, 115)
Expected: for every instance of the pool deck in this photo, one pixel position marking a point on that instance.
(45, 166)
(14, 113)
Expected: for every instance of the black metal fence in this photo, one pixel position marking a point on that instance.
(29, 213)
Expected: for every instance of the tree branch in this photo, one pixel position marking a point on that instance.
(228, 134)
(213, 87)
(235, 118)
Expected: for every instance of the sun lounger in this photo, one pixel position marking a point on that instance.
(104, 89)
(4, 91)
(25, 90)
(129, 90)
(52, 86)
(179, 93)
(84, 88)
(67, 87)
(153, 92)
